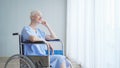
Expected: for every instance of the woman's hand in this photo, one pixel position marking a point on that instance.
(51, 47)
(44, 23)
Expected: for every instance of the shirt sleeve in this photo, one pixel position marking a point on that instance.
(27, 32)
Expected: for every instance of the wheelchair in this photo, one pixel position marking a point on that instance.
(29, 61)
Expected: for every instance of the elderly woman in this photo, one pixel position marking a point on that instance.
(33, 33)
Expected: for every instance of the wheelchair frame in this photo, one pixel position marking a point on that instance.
(26, 58)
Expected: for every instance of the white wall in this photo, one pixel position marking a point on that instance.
(14, 14)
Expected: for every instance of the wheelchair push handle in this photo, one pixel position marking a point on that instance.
(15, 34)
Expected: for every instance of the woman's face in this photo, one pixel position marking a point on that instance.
(37, 18)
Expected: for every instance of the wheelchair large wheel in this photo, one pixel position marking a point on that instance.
(19, 61)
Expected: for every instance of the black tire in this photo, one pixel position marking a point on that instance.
(23, 60)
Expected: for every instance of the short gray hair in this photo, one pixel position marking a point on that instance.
(35, 12)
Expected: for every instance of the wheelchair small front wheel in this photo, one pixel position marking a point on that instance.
(19, 61)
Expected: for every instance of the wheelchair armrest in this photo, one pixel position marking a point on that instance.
(54, 40)
(36, 42)
(39, 42)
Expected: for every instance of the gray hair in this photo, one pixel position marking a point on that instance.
(35, 12)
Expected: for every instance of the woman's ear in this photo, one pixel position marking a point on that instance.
(31, 17)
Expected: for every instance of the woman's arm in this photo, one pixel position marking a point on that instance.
(34, 38)
(52, 34)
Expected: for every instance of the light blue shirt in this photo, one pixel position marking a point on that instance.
(33, 49)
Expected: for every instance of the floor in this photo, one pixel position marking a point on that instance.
(16, 65)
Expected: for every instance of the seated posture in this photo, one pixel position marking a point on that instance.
(33, 33)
